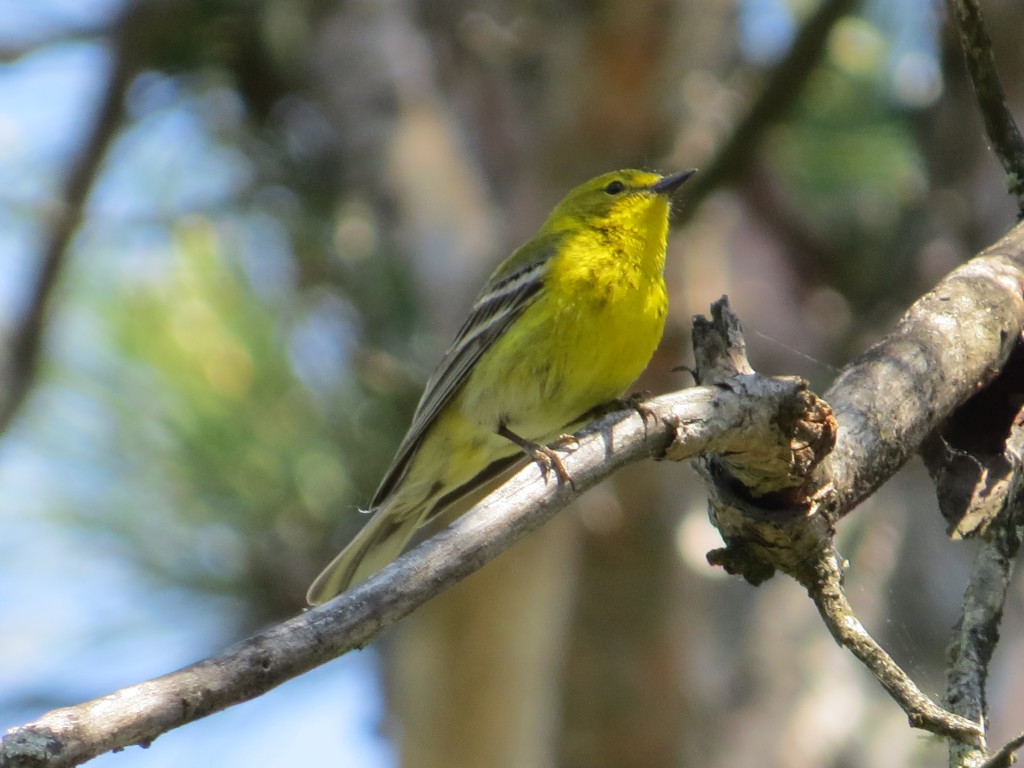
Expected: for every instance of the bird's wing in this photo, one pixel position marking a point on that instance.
(511, 289)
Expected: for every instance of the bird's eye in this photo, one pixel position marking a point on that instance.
(615, 187)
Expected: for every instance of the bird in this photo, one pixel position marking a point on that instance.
(563, 325)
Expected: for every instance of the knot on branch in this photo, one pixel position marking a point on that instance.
(762, 496)
(808, 424)
(775, 512)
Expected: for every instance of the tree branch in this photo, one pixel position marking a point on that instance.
(830, 599)
(1004, 758)
(999, 123)
(950, 344)
(21, 359)
(692, 421)
(784, 86)
(769, 522)
(978, 630)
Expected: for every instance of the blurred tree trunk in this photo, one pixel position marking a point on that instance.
(471, 673)
(623, 705)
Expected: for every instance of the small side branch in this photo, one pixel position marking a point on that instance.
(830, 599)
(977, 635)
(1004, 758)
(999, 123)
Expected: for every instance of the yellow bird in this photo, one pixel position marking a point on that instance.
(565, 324)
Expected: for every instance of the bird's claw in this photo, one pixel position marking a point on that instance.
(638, 402)
(548, 460)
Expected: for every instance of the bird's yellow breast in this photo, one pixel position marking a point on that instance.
(600, 316)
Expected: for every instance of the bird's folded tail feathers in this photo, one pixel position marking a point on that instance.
(379, 542)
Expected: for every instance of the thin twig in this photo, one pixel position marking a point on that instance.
(784, 86)
(830, 598)
(1004, 757)
(999, 123)
(25, 341)
(978, 631)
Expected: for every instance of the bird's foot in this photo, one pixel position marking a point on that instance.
(547, 458)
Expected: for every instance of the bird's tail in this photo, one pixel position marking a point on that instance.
(379, 542)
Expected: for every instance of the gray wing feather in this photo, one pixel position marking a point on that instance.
(492, 315)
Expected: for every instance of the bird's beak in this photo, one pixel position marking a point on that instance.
(670, 184)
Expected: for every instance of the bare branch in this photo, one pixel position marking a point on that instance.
(21, 360)
(692, 421)
(978, 631)
(1004, 758)
(768, 523)
(830, 598)
(784, 86)
(952, 342)
(999, 123)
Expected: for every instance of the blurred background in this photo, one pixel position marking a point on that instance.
(236, 235)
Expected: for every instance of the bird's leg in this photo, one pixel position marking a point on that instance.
(546, 458)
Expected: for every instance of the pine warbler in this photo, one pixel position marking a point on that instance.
(565, 324)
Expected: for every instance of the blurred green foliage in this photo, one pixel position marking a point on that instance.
(856, 174)
(256, 474)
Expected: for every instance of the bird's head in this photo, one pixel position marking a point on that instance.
(628, 199)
